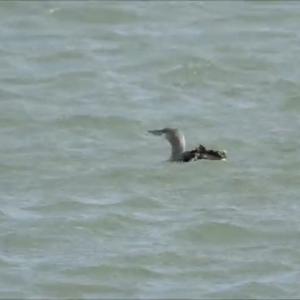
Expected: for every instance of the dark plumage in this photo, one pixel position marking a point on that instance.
(201, 152)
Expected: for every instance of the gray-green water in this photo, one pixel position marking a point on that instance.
(89, 206)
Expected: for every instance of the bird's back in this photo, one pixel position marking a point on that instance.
(201, 152)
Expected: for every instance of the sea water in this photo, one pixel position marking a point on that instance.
(90, 207)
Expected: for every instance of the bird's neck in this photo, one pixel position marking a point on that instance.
(178, 147)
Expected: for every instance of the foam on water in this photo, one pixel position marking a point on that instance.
(90, 208)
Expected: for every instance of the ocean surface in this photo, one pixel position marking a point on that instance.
(90, 207)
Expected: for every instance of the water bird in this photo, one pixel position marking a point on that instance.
(177, 141)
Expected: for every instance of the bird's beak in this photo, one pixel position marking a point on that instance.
(157, 132)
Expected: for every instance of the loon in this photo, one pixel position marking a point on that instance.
(179, 154)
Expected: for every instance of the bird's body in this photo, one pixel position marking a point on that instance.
(179, 154)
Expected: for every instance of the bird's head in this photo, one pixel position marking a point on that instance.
(173, 135)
